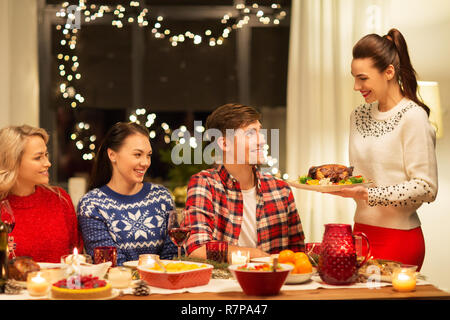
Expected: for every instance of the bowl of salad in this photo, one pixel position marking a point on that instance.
(261, 279)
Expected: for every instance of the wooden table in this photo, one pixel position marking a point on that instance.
(384, 293)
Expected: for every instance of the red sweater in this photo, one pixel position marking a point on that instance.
(46, 225)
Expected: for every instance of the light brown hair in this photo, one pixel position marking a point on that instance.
(232, 116)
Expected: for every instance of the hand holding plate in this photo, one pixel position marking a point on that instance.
(356, 192)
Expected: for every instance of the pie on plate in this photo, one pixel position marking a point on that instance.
(82, 288)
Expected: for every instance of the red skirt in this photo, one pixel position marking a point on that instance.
(405, 246)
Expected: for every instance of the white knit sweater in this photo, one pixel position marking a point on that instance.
(396, 150)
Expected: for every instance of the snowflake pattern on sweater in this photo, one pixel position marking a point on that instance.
(135, 224)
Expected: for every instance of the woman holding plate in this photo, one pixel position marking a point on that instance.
(393, 144)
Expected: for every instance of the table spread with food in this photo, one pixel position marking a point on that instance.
(329, 270)
(284, 276)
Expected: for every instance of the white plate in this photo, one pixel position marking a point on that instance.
(114, 294)
(265, 259)
(131, 264)
(296, 278)
(326, 188)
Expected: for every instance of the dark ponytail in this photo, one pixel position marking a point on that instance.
(391, 49)
(102, 168)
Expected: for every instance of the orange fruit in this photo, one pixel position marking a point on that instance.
(303, 266)
(286, 256)
(300, 256)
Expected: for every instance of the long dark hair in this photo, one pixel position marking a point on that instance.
(391, 49)
(102, 168)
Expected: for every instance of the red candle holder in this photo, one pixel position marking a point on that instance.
(105, 254)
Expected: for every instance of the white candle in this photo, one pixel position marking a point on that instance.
(75, 258)
(238, 257)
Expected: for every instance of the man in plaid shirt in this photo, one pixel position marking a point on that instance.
(234, 201)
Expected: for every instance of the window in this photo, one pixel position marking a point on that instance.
(128, 68)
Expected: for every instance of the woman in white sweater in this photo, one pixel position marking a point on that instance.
(393, 144)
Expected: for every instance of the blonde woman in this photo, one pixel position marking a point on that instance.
(46, 226)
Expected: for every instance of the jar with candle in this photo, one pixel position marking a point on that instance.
(404, 278)
(38, 283)
(76, 258)
(119, 277)
(147, 259)
(240, 257)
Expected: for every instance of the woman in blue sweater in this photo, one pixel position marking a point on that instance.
(121, 209)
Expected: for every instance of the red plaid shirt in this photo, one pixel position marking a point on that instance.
(214, 206)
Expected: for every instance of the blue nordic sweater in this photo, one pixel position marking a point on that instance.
(135, 224)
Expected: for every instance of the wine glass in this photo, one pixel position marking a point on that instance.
(7, 216)
(179, 228)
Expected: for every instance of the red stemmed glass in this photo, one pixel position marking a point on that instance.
(7, 216)
(179, 228)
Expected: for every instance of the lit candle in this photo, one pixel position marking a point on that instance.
(75, 258)
(147, 259)
(403, 280)
(238, 257)
(119, 277)
(37, 284)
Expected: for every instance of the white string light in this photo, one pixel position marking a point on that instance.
(84, 140)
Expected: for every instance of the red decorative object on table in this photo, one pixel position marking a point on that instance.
(176, 280)
(256, 279)
(217, 251)
(105, 254)
(338, 263)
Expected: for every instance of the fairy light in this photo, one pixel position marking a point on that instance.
(165, 126)
(84, 140)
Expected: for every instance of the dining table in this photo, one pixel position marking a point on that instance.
(314, 289)
(223, 286)
(427, 292)
(290, 301)
(225, 299)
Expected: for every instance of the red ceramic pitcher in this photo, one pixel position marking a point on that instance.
(338, 263)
